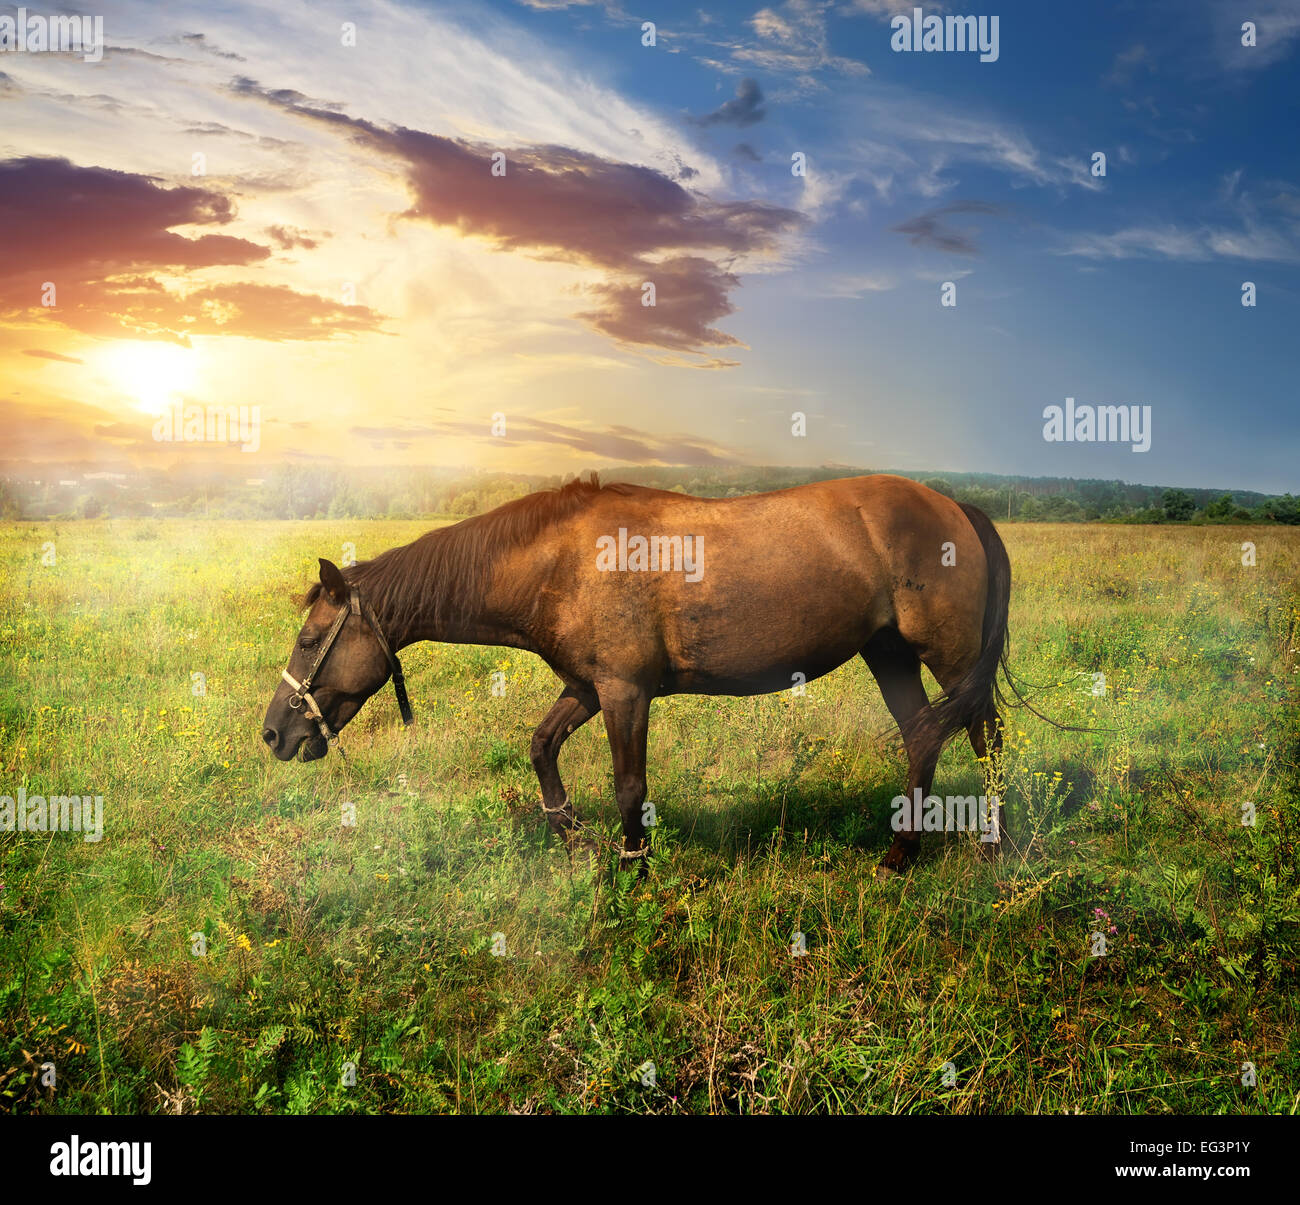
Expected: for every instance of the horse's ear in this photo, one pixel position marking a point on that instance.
(331, 577)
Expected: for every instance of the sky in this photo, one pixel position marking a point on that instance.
(422, 233)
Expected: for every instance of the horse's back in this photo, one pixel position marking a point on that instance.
(747, 594)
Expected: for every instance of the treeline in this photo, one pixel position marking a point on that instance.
(296, 491)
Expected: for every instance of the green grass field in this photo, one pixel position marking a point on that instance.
(352, 968)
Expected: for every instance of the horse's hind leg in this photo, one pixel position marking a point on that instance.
(572, 709)
(897, 670)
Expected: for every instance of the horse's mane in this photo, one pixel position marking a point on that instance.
(453, 564)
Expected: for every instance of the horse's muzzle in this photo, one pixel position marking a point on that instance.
(310, 747)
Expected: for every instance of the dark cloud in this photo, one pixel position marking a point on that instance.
(744, 109)
(289, 97)
(690, 294)
(745, 151)
(92, 222)
(100, 236)
(561, 204)
(929, 229)
(200, 40)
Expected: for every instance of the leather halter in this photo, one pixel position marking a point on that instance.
(302, 690)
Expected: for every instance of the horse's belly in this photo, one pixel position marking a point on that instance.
(759, 650)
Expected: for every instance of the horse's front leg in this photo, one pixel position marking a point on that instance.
(572, 709)
(627, 722)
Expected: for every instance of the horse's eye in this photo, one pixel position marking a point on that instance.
(308, 643)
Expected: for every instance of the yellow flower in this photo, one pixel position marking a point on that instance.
(243, 943)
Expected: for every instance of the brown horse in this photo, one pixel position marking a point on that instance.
(630, 593)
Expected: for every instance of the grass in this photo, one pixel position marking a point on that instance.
(351, 967)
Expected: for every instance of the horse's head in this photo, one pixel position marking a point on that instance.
(339, 660)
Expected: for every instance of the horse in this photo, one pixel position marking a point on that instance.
(630, 594)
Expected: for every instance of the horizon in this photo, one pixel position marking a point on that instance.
(231, 474)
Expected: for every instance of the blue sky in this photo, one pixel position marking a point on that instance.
(776, 293)
(1062, 294)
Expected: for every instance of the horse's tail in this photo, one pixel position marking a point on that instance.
(976, 695)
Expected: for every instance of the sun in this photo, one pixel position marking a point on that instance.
(155, 375)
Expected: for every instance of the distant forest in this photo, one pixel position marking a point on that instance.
(296, 491)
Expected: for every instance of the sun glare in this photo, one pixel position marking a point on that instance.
(155, 375)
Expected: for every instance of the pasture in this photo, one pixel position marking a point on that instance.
(443, 954)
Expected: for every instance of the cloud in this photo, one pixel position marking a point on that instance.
(744, 109)
(90, 222)
(200, 41)
(104, 239)
(1128, 62)
(630, 221)
(615, 442)
(853, 287)
(745, 151)
(288, 237)
(929, 229)
(57, 430)
(1198, 244)
(884, 10)
(1250, 235)
(51, 355)
(793, 39)
(141, 307)
(1277, 25)
(690, 293)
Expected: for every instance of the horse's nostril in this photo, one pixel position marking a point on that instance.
(270, 736)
